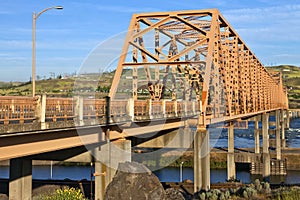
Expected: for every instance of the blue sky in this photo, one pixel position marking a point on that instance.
(66, 37)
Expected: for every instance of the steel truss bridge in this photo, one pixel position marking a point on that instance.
(195, 71)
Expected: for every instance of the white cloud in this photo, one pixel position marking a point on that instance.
(15, 44)
(270, 23)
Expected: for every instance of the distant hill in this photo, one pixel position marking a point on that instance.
(61, 87)
(98, 85)
(291, 79)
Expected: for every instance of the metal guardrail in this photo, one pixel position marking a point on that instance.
(20, 110)
(17, 109)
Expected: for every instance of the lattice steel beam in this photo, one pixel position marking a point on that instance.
(207, 58)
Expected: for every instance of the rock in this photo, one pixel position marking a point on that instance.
(3, 197)
(173, 194)
(134, 181)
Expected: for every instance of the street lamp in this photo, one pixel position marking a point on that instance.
(180, 175)
(34, 18)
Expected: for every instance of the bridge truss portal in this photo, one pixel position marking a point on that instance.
(196, 55)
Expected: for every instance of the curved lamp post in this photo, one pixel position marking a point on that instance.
(34, 18)
(180, 172)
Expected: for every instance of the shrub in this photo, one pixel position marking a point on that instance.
(267, 188)
(257, 184)
(65, 194)
(202, 196)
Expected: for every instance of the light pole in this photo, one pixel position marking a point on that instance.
(34, 18)
(180, 175)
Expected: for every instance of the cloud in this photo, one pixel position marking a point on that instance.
(15, 44)
(5, 12)
(266, 24)
(268, 15)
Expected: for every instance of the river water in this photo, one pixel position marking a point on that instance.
(169, 174)
(243, 139)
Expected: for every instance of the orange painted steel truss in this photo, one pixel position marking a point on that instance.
(188, 55)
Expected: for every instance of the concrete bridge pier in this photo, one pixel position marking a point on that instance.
(287, 121)
(265, 154)
(256, 135)
(20, 179)
(110, 155)
(278, 130)
(201, 161)
(282, 129)
(231, 171)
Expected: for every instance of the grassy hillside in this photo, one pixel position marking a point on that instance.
(67, 87)
(291, 79)
(95, 84)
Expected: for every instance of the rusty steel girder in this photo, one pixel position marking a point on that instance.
(186, 55)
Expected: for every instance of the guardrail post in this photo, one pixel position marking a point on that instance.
(175, 109)
(40, 111)
(185, 108)
(194, 107)
(43, 101)
(163, 105)
(79, 110)
(130, 109)
(150, 109)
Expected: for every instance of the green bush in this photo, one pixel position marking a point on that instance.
(65, 194)
(288, 194)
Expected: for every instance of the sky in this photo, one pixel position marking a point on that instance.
(65, 38)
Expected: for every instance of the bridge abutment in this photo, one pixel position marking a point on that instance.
(20, 179)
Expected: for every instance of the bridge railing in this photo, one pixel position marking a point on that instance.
(17, 109)
(59, 109)
(94, 108)
(20, 110)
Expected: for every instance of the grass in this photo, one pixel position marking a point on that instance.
(95, 84)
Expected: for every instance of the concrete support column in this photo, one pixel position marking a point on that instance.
(201, 161)
(287, 125)
(266, 155)
(100, 173)
(20, 179)
(111, 155)
(231, 172)
(205, 161)
(197, 162)
(278, 139)
(282, 130)
(287, 121)
(256, 135)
